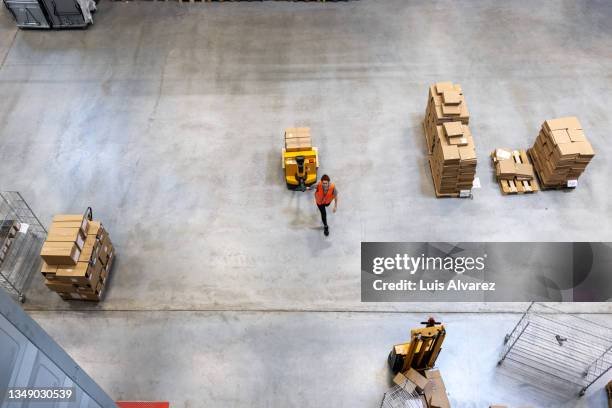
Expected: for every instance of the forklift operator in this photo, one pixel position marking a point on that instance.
(325, 193)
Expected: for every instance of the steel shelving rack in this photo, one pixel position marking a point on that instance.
(23, 255)
(564, 348)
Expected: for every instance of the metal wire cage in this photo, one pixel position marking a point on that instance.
(21, 238)
(563, 348)
(402, 396)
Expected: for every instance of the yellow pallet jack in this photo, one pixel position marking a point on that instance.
(300, 160)
(422, 351)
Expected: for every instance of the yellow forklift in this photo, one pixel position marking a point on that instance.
(300, 160)
(422, 351)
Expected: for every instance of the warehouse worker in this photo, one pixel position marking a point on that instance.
(325, 193)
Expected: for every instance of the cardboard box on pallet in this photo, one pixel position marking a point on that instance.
(561, 152)
(84, 280)
(60, 253)
(445, 103)
(58, 234)
(82, 274)
(71, 221)
(453, 160)
(95, 228)
(514, 171)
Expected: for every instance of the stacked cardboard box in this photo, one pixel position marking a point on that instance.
(297, 139)
(514, 171)
(444, 104)
(430, 386)
(561, 153)
(8, 232)
(453, 160)
(82, 276)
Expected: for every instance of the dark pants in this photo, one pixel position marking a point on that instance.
(323, 213)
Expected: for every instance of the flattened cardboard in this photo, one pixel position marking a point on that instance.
(451, 97)
(444, 86)
(451, 110)
(568, 122)
(417, 379)
(453, 129)
(560, 136)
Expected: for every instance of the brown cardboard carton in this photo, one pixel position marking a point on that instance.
(435, 391)
(47, 269)
(417, 379)
(451, 110)
(60, 286)
(106, 248)
(82, 274)
(57, 234)
(60, 253)
(560, 136)
(72, 219)
(399, 379)
(444, 86)
(524, 171)
(88, 248)
(563, 123)
(505, 169)
(94, 228)
(576, 135)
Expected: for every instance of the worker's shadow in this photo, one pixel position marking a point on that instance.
(301, 207)
(304, 213)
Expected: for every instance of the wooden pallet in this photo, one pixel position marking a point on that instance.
(515, 186)
(438, 194)
(544, 186)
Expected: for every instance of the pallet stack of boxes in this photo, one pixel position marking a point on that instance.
(452, 155)
(428, 385)
(77, 257)
(561, 153)
(8, 233)
(297, 139)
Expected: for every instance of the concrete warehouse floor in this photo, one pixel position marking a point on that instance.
(167, 118)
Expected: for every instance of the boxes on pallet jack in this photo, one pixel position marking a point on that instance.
(85, 279)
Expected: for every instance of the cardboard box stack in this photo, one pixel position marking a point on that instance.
(77, 258)
(453, 161)
(452, 156)
(561, 153)
(445, 104)
(514, 171)
(429, 384)
(297, 139)
(8, 233)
